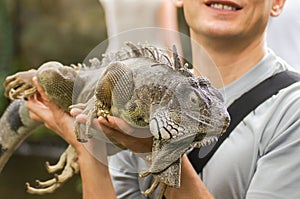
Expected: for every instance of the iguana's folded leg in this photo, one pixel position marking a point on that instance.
(67, 162)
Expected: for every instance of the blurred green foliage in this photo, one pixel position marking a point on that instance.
(5, 49)
(33, 32)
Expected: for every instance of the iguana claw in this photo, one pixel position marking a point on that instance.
(153, 187)
(19, 85)
(67, 162)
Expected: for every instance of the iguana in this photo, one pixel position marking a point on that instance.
(145, 87)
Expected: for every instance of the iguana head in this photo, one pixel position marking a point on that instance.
(194, 116)
(192, 107)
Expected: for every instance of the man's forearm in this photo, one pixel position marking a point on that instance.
(191, 185)
(96, 181)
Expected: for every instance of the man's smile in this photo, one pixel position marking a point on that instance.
(223, 5)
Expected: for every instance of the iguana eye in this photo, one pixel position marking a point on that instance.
(198, 99)
(194, 98)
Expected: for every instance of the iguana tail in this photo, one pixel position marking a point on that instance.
(15, 127)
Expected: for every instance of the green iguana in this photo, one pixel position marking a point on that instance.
(145, 87)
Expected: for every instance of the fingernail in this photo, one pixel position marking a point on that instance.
(103, 119)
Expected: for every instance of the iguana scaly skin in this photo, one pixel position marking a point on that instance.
(147, 89)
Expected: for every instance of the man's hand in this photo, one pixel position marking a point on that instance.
(137, 140)
(42, 109)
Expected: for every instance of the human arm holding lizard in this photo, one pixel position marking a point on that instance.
(96, 181)
(94, 174)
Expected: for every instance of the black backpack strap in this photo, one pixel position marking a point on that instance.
(241, 107)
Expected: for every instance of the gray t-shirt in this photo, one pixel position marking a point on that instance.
(259, 160)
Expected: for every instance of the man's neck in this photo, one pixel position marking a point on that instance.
(231, 60)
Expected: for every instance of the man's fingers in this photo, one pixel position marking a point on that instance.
(119, 130)
(81, 118)
(40, 90)
(34, 116)
(33, 101)
(36, 108)
(120, 125)
(42, 96)
(137, 145)
(116, 123)
(75, 111)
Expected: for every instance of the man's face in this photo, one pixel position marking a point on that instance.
(227, 18)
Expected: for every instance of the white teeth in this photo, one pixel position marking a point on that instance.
(222, 7)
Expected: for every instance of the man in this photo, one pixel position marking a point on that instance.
(259, 159)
